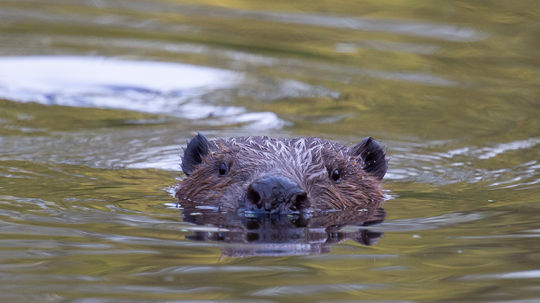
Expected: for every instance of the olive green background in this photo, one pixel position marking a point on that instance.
(450, 87)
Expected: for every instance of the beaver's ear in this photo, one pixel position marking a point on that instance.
(196, 149)
(373, 156)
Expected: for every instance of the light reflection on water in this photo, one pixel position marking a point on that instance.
(151, 87)
(86, 211)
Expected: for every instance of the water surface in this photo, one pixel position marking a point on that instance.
(98, 96)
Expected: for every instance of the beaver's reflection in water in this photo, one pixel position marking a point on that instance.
(248, 234)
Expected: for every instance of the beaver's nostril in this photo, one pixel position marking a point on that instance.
(300, 200)
(253, 196)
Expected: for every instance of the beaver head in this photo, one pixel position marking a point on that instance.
(282, 175)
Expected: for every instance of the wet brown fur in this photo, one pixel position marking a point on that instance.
(307, 161)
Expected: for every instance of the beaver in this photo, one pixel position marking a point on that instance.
(282, 175)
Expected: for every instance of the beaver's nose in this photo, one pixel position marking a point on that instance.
(277, 193)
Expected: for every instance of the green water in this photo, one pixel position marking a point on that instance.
(451, 88)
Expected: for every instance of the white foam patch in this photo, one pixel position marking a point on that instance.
(153, 87)
(51, 74)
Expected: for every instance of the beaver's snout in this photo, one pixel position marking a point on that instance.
(276, 194)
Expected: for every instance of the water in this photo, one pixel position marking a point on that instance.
(98, 97)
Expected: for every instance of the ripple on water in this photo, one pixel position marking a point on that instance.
(466, 164)
(308, 290)
(404, 27)
(144, 86)
(528, 274)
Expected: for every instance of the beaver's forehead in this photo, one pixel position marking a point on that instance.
(284, 147)
(292, 156)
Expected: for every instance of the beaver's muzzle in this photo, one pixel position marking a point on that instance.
(277, 194)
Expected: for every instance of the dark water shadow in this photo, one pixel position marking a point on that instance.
(244, 235)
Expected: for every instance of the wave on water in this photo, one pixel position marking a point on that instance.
(153, 87)
(465, 164)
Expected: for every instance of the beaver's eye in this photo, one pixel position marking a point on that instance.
(223, 169)
(335, 175)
